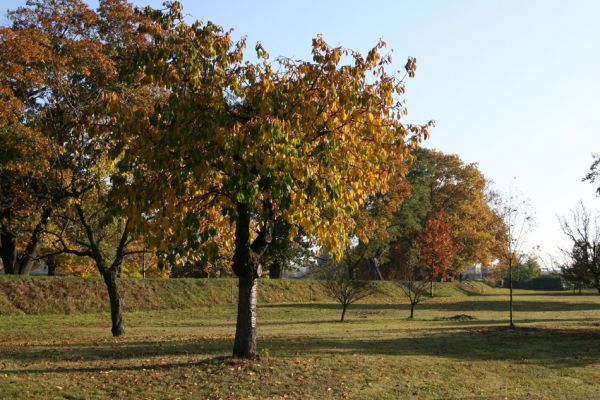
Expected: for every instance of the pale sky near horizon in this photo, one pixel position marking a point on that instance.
(512, 85)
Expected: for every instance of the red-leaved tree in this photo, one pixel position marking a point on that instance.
(436, 247)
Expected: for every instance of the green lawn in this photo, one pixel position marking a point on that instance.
(306, 353)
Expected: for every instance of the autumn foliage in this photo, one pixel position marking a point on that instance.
(436, 246)
(131, 135)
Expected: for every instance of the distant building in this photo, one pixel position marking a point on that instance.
(476, 272)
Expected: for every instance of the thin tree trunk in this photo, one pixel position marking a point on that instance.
(27, 260)
(412, 310)
(110, 278)
(374, 270)
(245, 334)
(431, 288)
(52, 265)
(8, 252)
(510, 284)
(344, 307)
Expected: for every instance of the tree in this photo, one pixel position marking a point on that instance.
(27, 183)
(341, 284)
(90, 229)
(304, 141)
(436, 248)
(584, 233)
(331, 153)
(575, 270)
(518, 222)
(594, 173)
(413, 280)
(527, 270)
(444, 183)
(376, 227)
(26, 200)
(75, 81)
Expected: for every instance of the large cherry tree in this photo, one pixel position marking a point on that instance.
(304, 141)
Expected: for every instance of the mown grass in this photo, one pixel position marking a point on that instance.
(306, 353)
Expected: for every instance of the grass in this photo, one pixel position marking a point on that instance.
(68, 295)
(305, 353)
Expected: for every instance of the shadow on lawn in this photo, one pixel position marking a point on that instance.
(115, 351)
(550, 347)
(155, 366)
(554, 348)
(467, 305)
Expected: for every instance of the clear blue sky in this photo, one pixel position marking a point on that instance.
(512, 85)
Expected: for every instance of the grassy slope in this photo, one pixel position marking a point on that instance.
(306, 354)
(60, 295)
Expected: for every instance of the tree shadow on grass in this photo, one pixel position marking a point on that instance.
(551, 347)
(547, 293)
(148, 366)
(115, 351)
(555, 348)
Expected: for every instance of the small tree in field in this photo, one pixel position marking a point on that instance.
(339, 283)
(436, 248)
(413, 281)
(518, 221)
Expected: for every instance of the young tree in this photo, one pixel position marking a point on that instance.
(340, 282)
(436, 248)
(413, 280)
(518, 222)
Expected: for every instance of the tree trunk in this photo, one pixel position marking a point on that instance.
(245, 333)
(344, 307)
(412, 310)
(510, 284)
(431, 288)
(52, 265)
(275, 270)
(374, 270)
(8, 252)
(27, 260)
(110, 278)
(246, 265)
